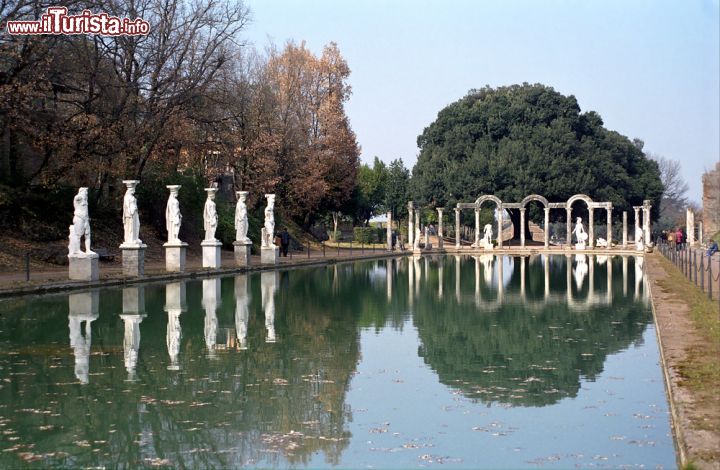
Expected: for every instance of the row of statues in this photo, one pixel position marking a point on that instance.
(173, 219)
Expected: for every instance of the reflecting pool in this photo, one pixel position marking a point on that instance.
(452, 361)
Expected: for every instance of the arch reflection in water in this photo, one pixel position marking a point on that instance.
(132, 316)
(82, 308)
(506, 355)
(175, 305)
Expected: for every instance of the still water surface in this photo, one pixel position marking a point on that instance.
(452, 361)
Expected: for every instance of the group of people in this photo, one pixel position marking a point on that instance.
(677, 239)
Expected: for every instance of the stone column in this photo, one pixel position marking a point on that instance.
(388, 231)
(637, 223)
(700, 232)
(609, 227)
(522, 227)
(646, 220)
(476, 243)
(457, 228)
(500, 211)
(440, 227)
(547, 227)
(411, 225)
(625, 238)
(417, 220)
(568, 244)
(591, 227)
(690, 226)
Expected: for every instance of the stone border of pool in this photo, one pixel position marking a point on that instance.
(68, 285)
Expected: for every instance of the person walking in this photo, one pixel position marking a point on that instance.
(679, 239)
(284, 242)
(712, 248)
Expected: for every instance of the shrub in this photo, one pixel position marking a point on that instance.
(363, 235)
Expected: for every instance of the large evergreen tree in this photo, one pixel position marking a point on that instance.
(522, 139)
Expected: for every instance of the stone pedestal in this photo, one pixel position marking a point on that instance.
(83, 267)
(269, 255)
(242, 253)
(133, 260)
(580, 246)
(175, 253)
(211, 253)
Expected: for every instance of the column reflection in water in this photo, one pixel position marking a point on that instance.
(609, 279)
(477, 279)
(523, 262)
(591, 282)
(411, 281)
(242, 310)
(389, 277)
(625, 274)
(546, 267)
(639, 264)
(132, 316)
(501, 278)
(457, 278)
(441, 263)
(83, 308)
(568, 277)
(211, 301)
(418, 273)
(268, 284)
(175, 305)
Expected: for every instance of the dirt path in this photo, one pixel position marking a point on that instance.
(695, 402)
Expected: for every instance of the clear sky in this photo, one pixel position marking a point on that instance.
(650, 68)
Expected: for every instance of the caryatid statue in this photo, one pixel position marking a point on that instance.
(241, 218)
(131, 217)
(268, 230)
(173, 218)
(81, 224)
(210, 216)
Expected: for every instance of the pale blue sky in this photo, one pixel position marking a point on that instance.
(650, 68)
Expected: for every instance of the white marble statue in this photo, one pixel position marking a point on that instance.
(580, 235)
(173, 217)
(486, 241)
(268, 231)
(241, 219)
(81, 225)
(601, 243)
(639, 240)
(131, 217)
(210, 217)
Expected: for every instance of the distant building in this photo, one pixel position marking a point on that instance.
(711, 202)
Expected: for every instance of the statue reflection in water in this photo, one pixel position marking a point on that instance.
(83, 308)
(242, 303)
(132, 316)
(268, 282)
(211, 302)
(581, 270)
(175, 305)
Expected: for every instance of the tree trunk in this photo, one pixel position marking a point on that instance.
(515, 219)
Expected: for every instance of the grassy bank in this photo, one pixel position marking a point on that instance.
(699, 370)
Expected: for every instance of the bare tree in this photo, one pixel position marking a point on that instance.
(674, 198)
